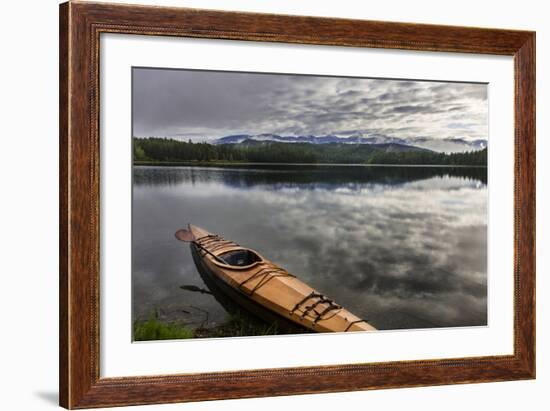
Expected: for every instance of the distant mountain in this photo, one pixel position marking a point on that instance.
(447, 145)
(450, 145)
(239, 138)
(382, 147)
(399, 148)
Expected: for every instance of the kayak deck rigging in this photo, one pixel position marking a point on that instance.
(266, 273)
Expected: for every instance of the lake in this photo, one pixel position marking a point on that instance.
(402, 247)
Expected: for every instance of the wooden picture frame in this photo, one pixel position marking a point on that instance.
(81, 24)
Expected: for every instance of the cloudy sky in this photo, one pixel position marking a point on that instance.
(204, 105)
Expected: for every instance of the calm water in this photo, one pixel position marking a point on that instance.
(404, 247)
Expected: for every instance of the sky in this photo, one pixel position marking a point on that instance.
(206, 105)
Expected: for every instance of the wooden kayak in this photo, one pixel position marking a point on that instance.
(264, 288)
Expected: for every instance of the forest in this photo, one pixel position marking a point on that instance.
(165, 150)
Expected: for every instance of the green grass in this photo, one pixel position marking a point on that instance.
(239, 324)
(153, 329)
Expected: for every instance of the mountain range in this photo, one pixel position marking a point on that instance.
(365, 147)
(447, 145)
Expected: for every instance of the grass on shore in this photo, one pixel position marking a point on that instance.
(238, 325)
(154, 329)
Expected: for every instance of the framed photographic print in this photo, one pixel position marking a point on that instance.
(257, 205)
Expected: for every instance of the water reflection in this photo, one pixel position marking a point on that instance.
(404, 247)
(304, 176)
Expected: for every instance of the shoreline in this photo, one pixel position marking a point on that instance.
(237, 164)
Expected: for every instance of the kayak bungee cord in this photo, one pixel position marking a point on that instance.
(320, 300)
(267, 273)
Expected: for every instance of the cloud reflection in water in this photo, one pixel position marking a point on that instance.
(401, 247)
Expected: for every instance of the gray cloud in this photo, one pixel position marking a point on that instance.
(206, 105)
(413, 109)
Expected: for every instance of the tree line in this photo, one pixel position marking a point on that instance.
(470, 158)
(156, 149)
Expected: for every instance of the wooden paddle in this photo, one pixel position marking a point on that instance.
(188, 237)
(185, 235)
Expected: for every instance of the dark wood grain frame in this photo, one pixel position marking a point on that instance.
(79, 379)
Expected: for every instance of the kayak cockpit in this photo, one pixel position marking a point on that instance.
(242, 257)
